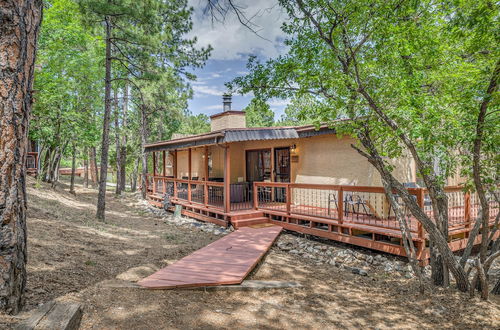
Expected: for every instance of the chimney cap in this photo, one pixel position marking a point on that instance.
(226, 102)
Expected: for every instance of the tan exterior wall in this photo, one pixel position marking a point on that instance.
(327, 159)
(197, 163)
(229, 120)
(324, 159)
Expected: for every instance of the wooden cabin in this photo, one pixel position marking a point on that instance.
(301, 178)
(32, 158)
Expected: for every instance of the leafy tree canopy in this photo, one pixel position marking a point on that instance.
(259, 114)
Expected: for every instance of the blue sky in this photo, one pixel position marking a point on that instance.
(233, 44)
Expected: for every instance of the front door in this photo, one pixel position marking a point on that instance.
(282, 164)
(281, 172)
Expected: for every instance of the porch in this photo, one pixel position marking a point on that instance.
(358, 215)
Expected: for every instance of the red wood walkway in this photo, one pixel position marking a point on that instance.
(226, 261)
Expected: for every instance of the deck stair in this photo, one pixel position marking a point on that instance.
(248, 219)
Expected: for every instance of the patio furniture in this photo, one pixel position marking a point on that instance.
(354, 200)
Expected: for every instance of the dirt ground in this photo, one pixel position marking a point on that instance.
(71, 254)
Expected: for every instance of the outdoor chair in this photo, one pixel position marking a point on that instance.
(354, 201)
(332, 199)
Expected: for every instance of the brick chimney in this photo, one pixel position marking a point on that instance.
(228, 118)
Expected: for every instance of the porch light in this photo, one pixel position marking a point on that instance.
(293, 148)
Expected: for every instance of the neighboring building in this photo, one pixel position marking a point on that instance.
(32, 159)
(302, 178)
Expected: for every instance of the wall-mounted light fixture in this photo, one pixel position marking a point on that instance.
(293, 148)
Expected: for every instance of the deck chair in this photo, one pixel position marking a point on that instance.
(354, 201)
(332, 199)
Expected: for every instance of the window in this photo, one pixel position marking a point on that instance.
(258, 163)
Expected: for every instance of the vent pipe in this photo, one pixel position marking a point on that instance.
(226, 101)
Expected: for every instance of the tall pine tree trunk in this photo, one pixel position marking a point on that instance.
(101, 198)
(144, 156)
(123, 150)
(73, 170)
(94, 170)
(133, 181)
(19, 26)
(118, 190)
(85, 168)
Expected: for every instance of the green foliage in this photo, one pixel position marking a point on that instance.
(424, 64)
(259, 114)
(67, 79)
(192, 124)
(298, 112)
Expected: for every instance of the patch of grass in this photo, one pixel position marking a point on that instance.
(38, 184)
(90, 263)
(172, 237)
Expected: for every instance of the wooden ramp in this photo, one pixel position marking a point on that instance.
(226, 261)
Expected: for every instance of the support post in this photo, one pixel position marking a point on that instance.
(174, 170)
(341, 205)
(288, 199)
(227, 180)
(189, 175)
(164, 163)
(174, 165)
(205, 185)
(154, 163)
(255, 196)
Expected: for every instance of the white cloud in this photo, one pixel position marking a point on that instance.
(207, 90)
(231, 39)
(213, 107)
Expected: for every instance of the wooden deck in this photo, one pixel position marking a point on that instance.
(226, 261)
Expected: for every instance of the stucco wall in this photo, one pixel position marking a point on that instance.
(324, 159)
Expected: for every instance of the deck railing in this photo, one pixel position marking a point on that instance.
(342, 204)
(207, 193)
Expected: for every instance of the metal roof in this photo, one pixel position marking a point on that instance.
(239, 135)
(260, 134)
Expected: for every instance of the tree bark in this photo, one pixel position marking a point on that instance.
(118, 190)
(85, 168)
(144, 156)
(123, 150)
(45, 164)
(432, 229)
(496, 288)
(133, 181)
(94, 169)
(73, 170)
(101, 198)
(19, 26)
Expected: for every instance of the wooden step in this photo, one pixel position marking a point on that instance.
(248, 222)
(247, 215)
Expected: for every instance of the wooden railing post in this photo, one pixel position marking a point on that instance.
(175, 188)
(341, 205)
(255, 196)
(288, 198)
(189, 175)
(205, 193)
(154, 185)
(227, 180)
(164, 183)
